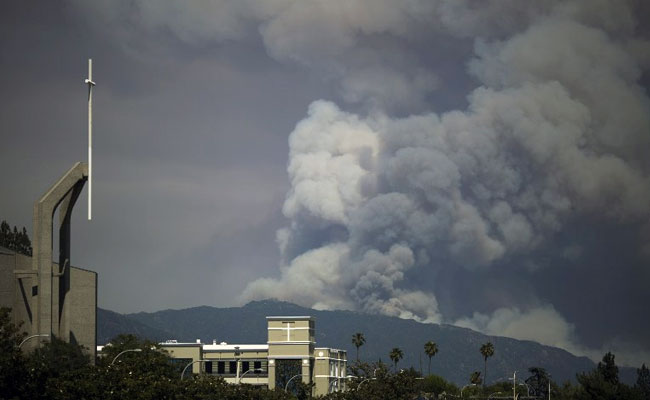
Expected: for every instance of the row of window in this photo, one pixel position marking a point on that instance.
(230, 367)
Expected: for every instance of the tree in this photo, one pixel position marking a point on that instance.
(487, 350)
(12, 366)
(375, 382)
(538, 381)
(49, 365)
(437, 384)
(431, 349)
(395, 355)
(15, 240)
(358, 340)
(608, 369)
(602, 383)
(643, 382)
(475, 378)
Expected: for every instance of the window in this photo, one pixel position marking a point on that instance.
(257, 365)
(232, 367)
(285, 370)
(221, 368)
(180, 363)
(245, 366)
(208, 367)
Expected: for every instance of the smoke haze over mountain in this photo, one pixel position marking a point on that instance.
(481, 163)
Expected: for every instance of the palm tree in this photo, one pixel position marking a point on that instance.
(396, 354)
(358, 340)
(431, 349)
(487, 350)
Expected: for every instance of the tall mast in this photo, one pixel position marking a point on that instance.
(90, 84)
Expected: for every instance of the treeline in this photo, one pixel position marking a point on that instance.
(16, 240)
(374, 381)
(59, 370)
(131, 368)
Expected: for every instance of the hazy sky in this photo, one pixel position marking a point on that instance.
(481, 163)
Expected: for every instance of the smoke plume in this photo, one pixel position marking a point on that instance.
(556, 129)
(397, 182)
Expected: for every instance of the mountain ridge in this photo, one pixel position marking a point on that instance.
(458, 353)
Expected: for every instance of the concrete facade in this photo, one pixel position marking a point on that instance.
(290, 352)
(48, 298)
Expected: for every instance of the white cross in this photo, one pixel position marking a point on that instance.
(289, 328)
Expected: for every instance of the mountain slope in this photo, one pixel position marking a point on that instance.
(111, 324)
(459, 347)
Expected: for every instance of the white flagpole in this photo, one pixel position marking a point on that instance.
(90, 84)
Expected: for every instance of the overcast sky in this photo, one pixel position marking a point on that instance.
(480, 163)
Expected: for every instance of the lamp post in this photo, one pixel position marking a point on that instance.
(463, 388)
(192, 363)
(31, 337)
(125, 351)
(361, 383)
(514, 385)
(244, 374)
(292, 378)
(237, 363)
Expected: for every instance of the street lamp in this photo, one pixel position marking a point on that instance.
(244, 374)
(361, 383)
(463, 388)
(188, 365)
(514, 385)
(125, 351)
(292, 378)
(33, 336)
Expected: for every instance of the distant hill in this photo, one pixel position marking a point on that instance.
(458, 347)
(111, 324)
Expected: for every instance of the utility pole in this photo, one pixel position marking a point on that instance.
(90, 84)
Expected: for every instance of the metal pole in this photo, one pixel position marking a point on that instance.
(31, 337)
(463, 388)
(244, 374)
(125, 351)
(90, 84)
(514, 386)
(193, 362)
(292, 378)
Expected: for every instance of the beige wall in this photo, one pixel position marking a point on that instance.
(83, 309)
(330, 370)
(192, 351)
(17, 293)
(79, 320)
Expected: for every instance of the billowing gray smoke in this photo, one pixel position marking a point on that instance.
(395, 184)
(557, 127)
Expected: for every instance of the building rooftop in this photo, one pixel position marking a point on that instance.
(282, 318)
(232, 347)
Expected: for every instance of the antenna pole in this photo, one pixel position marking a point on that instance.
(90, 84)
